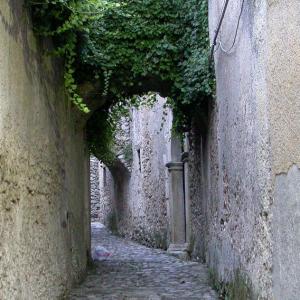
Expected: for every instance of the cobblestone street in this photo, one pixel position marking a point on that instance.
(136, 272)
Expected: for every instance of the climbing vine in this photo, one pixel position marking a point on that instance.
(129, 48)
(63, 20)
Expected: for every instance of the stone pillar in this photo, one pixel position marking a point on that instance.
(178, 240)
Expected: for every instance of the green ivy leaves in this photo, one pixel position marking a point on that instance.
(132, 47)
(63, 20)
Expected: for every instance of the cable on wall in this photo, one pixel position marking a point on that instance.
(218, 31)
(227, 51)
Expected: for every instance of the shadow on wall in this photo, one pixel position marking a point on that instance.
(121, 177)
(33, 49)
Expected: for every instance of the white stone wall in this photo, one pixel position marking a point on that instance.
(44, 190)
(197, 199)
(136, 193)
(234, 183)
(107, 204)
(246, 181)
(145, 209)
(95, 188)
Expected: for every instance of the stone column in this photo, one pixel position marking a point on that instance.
(178, 244)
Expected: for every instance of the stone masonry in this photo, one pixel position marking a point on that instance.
(232, 185)
(102, 193)
(139, 190)
(244, 162)
(95, 188)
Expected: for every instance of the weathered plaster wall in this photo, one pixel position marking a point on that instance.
(102, 193)
(107, 203)
(44, 207)
(246, 203)
(234, 192)
(138, 192)
(196, 189)
(283, 80)
(95, 188)
(145, 210)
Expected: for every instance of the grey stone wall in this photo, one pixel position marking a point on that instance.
(135, 196)
(95, 188)
(44, 219)
(283, 90)
(233, 194)
(145, 214)
(244, 165)
(107, 205)
(102, 194)
(197, 210)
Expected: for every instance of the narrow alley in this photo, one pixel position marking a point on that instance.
(137, 272)
(175, 124)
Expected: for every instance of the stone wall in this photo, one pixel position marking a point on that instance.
(283, 90)
(234, 189)
(137, 186)
(244, 164)
(44, 190)
(144, 217)
(95, 188)
(197, 210)
(107, 203)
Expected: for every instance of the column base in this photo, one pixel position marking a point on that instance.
(179, 250)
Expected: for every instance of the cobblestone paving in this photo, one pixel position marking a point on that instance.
(136, 272)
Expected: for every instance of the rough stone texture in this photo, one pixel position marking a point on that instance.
(44, 220)
(123, 143)
(244, 165)
(136, 272)
(95, 188)
(197, 210)
(234, 192)
(283, 83)
(107, 203)
(286, 232)
(144, 212)
(138, 191)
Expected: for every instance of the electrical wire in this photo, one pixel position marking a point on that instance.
(218, 30)
(227, 51)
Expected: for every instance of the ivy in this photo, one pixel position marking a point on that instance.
(129, 48)
(63, 20)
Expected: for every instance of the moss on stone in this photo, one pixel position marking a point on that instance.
(237, 289)
(161, 240)
(128, 153)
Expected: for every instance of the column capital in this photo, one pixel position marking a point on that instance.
(185, 157)
(174, 166)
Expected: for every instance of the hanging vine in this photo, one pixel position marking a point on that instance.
(130, 48)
